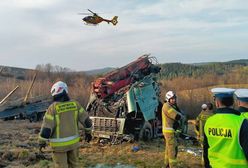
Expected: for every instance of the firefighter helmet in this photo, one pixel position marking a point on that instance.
(59, 87)
(204, 106)
(170, 94)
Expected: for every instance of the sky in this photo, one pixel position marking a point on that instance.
(36, 32)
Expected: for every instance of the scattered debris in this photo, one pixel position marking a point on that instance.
(191, 150)
(135, 148)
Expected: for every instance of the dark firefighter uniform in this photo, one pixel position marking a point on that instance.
(60, 127)
(225, 136)
(170, 119)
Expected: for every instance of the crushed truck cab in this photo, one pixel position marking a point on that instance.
(130, 110)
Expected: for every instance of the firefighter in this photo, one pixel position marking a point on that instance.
(242, 101)
(171, 116)
(207, 111)
(197, 121)
(225, 134)
(60, 127)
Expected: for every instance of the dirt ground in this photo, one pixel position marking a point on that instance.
(19, 148)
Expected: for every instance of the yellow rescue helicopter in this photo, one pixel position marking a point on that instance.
(96, 19)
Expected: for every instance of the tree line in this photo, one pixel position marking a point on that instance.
(174, 70)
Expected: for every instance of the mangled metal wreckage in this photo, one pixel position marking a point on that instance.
(32, 109)
(125, 102)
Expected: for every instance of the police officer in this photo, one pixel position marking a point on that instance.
(170, 119)
(60, 127)
(226, 135)
(242, 100)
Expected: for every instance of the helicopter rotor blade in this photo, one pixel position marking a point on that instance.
(92, 12)
(84, 13)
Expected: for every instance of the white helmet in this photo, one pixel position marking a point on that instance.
(58, 88)
(204, 106)
(169, 95)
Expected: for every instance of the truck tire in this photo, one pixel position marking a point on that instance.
(146, 133)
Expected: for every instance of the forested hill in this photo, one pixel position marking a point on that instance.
(172, 70)
(168, 70)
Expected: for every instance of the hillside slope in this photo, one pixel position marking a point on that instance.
(173, 70)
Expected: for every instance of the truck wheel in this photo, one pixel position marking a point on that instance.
(146, 132)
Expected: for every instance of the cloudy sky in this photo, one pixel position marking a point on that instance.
(51, 31)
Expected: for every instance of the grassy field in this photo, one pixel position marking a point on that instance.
(19, 148)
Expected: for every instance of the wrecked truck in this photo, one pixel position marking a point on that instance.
(125, 102)
(32, 109)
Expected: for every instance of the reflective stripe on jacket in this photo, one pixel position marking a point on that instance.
(168, 118)
(222, 132)
(64, 141)
(62, 118)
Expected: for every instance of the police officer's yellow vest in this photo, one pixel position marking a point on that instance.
(222, 131)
